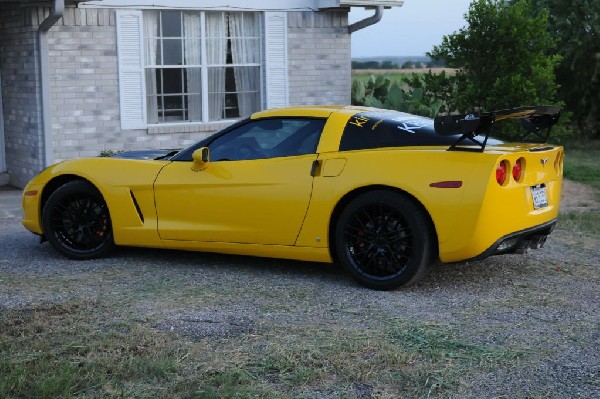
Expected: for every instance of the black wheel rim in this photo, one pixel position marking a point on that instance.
(379, 241)
(80, 223)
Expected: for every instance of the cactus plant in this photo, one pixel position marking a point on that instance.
(380, 92)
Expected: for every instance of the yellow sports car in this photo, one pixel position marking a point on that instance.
(383, 193)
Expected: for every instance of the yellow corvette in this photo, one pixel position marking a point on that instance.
(384, 193)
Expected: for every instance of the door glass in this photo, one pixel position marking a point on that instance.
(268, 138)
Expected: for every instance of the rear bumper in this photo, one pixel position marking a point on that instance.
(519, 242)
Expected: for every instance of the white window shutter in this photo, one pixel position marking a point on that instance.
(276, 70)
(132, 92)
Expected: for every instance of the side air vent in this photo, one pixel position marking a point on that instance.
(137, 206)
(540, 149)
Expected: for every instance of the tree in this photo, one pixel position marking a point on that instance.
(576, 25)
(389, 65)
(366, 65)
(502, 55)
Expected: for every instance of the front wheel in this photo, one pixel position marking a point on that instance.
(384, 240)
(76, 221)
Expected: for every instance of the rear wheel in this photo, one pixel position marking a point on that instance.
(384, 240)
(77, 223)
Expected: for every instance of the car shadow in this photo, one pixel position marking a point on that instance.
(497, 271)
(208, 261)
(494, 271)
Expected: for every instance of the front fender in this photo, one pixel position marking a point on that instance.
(126, 186)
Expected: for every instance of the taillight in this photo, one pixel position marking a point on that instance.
(517, 169)
(501, 172)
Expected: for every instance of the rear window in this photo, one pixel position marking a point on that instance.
(389, 129)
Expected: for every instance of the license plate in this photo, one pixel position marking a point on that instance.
(540, 199)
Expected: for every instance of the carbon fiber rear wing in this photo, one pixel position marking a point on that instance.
(537, 122)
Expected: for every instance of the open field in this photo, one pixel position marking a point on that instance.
(395, 74)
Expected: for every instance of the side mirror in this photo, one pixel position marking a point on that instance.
(201, 158)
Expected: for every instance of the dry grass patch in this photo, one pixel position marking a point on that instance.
(87, 349)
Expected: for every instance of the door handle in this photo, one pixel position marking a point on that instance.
(315, 168)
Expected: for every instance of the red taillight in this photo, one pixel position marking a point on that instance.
(517, 169)
(501, 172)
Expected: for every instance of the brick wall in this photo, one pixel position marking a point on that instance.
(85, 91)
(20, 95)
(319, 58)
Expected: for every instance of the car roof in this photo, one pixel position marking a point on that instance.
(315, 111)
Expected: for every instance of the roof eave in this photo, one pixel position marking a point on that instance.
(374, 3)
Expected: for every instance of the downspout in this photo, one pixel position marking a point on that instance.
(57, 12)
(363, 23)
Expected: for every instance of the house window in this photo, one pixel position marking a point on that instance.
(202, 66)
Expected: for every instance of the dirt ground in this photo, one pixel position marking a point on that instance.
(578, 197)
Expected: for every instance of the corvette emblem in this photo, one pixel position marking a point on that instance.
(544, 161)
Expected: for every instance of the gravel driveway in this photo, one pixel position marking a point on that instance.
(544, 304)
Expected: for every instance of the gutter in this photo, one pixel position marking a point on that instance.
(57, 12)
(363, 23)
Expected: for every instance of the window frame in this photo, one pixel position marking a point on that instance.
(186, 154)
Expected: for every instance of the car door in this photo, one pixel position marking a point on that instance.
(255, 189)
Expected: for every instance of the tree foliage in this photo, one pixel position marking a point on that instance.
(576, 25)
(503, 56)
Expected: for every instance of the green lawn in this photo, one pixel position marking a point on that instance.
(582, 162)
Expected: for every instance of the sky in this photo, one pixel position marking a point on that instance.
(412, 29)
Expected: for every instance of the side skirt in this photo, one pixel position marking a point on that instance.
(309, 254)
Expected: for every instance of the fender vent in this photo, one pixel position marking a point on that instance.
(137, 206)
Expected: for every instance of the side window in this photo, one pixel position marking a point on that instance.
(268, 138)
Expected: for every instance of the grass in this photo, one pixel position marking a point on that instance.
(69, 350)
(85, 349)
(583, 222)
(582, 163)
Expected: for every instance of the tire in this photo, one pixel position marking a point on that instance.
(384, 240)
(76, 221)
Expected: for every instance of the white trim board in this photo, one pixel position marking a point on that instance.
(241, 5)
